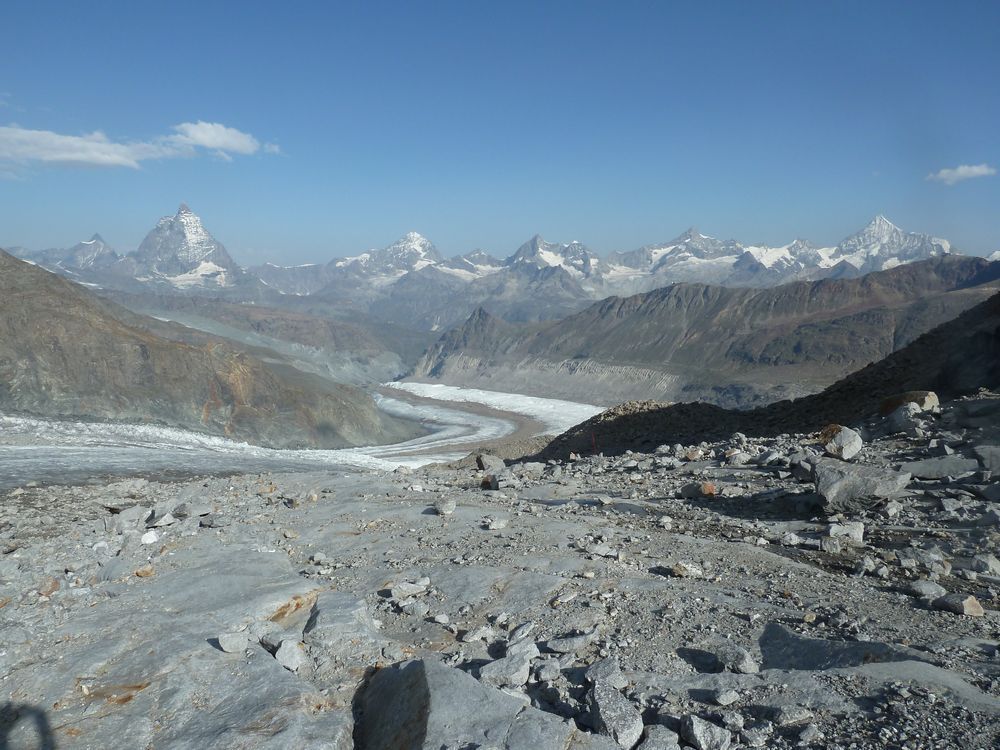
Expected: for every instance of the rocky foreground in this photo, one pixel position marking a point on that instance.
(835, 590)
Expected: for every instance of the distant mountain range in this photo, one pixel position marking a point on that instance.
(409, 283)
(728, 346)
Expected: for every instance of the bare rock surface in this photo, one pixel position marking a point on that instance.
(611, 609)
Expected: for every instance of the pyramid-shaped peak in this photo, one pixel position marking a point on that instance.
(97, 238)
(881, 222)
(183, 209)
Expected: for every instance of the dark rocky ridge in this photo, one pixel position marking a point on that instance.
(729, 346)
(955, 358)
(67, 353)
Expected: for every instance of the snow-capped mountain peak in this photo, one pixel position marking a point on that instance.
(411, 252)
(180, 247)
(881, 245)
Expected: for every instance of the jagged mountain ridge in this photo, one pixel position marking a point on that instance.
(409, 282)
(178, 253)
(64, 352)
(957, 357)
(731, 346)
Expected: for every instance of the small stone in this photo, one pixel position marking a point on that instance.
(493, 523)
(725, 697)
(703, 735)
(960, 604)
(490, 464)
(442, 619)
(445, 506)
(810, 735)
(405, 589)
(482, 633)
(291, 655)
(150, 537)
(548, 670)
(658, 737)
(573, 643)
(852, 530)
(830, 545)
(146, 571)
(614, 715)
(736, 659)
(693, 490)
(607, 670)
(233, 643)
(929, 590)
(841, 442)
(683, 569)
(922, 400)
(490, 482)
(784, 716)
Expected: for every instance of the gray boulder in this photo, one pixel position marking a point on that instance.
(842, 442)
(704, 735)
(614, 715)
(849, 487)
(490, 464)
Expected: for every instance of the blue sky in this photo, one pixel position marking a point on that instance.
(305, 131)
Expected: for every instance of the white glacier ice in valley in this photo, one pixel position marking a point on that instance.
(49, 450)
(557, 416)
(58, 451)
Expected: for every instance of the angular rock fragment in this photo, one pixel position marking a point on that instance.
(704, 735)
(445, 506)
(233, 643)
(923, 400)
(614, 715)
(658, 737)
(490, 464)
(607, 670)
(849, 487)
(291, 655)
(841, 442)
(960, 604)
(736, 659)
(572, 644)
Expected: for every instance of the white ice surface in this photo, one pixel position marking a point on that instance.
(47, 450)
(557, 416)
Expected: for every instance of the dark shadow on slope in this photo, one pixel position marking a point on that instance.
(23, 726)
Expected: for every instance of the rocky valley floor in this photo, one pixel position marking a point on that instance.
(836, 591)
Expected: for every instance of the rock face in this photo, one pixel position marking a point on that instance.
(957, 357)
(180, 245)
(732, 347)
(66, 353)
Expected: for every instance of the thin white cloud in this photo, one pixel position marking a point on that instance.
(24, 146)
(962, 172)
(215, 135)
